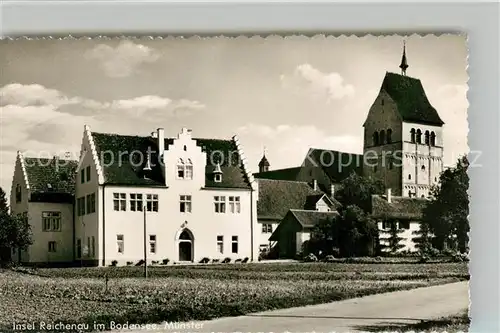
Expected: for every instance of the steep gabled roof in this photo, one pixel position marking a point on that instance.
(51, 180)
(127, 173)
(280, 174)
(309, 218)
(337, 165)
(399, 208)
(277, 197)
(411, 100)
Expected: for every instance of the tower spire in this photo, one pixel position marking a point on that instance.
(264, 163)
(404, 63)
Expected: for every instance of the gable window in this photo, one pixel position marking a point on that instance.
(19, 196)
(382, 137)
(423, 168)
(267, 228)
(82, 176)
(152, 202)
(389, 136)
(52, 246)
(120, 243)
(419, 136)
(184, 169)
(409, 176)
(433, 139)
(185, 204)
(136, 202)
(87, 171)
(412, 133)
(375, 138)
(152, 243)
(220, 204)
(220, 244)
(78, 248)
(234, 205)
(120, 201)
(80, 202)
(51, 221)
(88, 204)
(234, 244)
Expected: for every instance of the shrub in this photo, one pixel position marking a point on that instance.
(140, 263)
(329, 258)
(114, 263)
(245, 260)
(226, 260)
(424, 258)
(237, 260)
(155, 262)
(205, 260)
(215, 261)
(310, 258)
(129, 263)
(165, 261)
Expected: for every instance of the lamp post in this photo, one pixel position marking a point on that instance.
(145, 245)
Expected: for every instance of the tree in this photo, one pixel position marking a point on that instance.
(423, 238)
(358, 190)
(353, 233)
(447, 213)
(15, 231)
(393, 239)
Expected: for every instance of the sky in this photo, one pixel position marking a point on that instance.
(282, 94)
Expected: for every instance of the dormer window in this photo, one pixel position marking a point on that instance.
(217, 174)
(184, 169)
(19, 195)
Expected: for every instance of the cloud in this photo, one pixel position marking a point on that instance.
(141, 103)
(287, 145)
(122, 60)
(319, 85)
(33, 95)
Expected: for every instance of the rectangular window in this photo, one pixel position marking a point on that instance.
(386, 225)
(188, 172)
(404, 225)
(184, 169)
(81, 206)
(19, 195)
(92, 203)
(78, 248)
(220, 204)
(267, 228)
(88, 204)
(87, 171)
(120, 201)
(51, 221)
(136, 202)
(52, 246)
(234, 244)
(152, 243)
(234, 205)
(220, 244)
(120, 243)
(93, 246)
(152, 202)
(82, 176)
(185, 204)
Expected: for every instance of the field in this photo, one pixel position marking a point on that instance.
(177, 293)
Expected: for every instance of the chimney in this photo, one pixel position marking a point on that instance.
(389, 195)
(315, 184)
(161, 141)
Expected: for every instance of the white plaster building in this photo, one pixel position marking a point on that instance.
(181, 199)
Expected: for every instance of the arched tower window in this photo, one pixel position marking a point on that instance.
(389, 136)
(382, 137)
(412, 132)
(433, 138)
(375, 138)
(419, 136)
(427, 137)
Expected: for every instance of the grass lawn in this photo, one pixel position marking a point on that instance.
(175, 293)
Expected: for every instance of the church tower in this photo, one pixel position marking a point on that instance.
(264, 163)
(403, 136)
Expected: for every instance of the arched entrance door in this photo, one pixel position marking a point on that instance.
(186, 246)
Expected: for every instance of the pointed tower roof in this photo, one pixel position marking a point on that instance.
(264, 161)
(404, 62)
